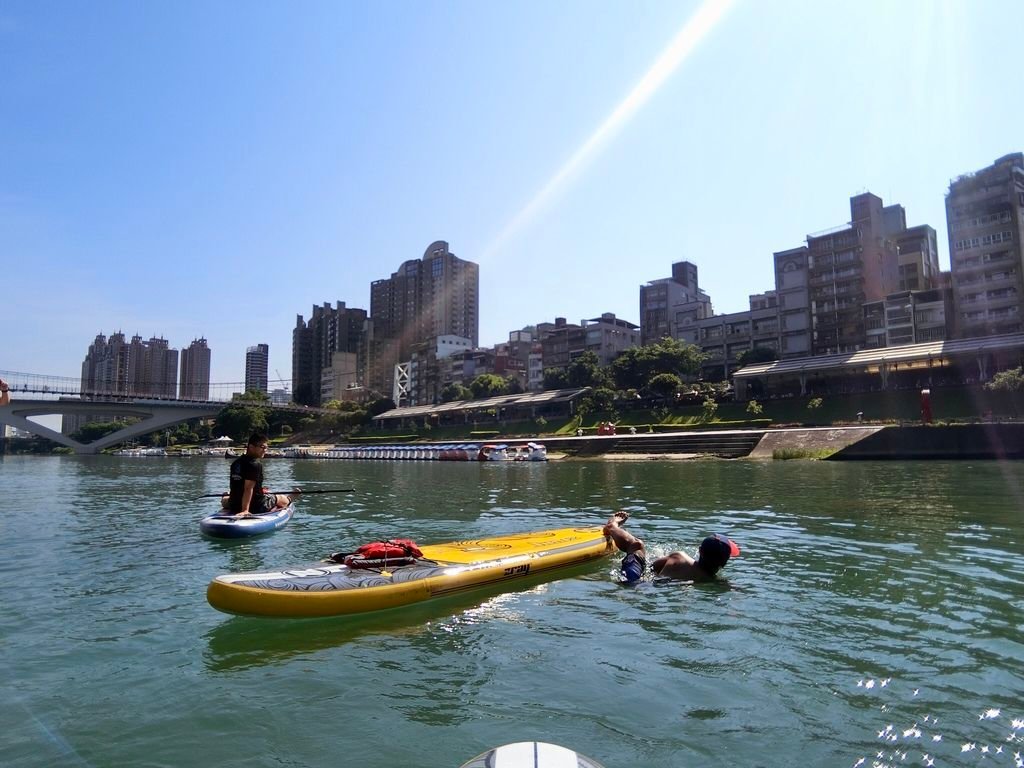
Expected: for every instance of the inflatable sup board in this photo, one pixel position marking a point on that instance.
(332, 589)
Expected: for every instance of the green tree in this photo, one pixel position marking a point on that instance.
(757, 355)
(1011, 380)
(665, 385)
(635, 367)
(555, 378)
(252, 396)
(710, 408)
(512, 385)
(185, 433)
(94, 430)
(380, 405)
(455, 391)
(586, 371)
(603, 398)
(487, 385)
(241, 419)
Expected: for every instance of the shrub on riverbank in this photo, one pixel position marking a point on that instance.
(784, 454)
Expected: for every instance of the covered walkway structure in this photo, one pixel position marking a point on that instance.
(960, 361)
(555, 403)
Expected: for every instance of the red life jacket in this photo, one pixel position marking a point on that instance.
(390, 548)
(379, 554)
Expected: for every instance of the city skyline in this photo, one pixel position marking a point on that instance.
(186, 194)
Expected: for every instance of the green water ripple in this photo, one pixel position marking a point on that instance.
(851, 576)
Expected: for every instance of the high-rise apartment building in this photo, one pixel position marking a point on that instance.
(137, 367)
(430, 370)
(329, 330)
(195, 371)
(117, 367)
(438, 295)
(848, 266)
(792, 292)
(670, 303)
(918, 252)
(985, 221)
(257, 362)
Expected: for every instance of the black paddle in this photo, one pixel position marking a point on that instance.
(288, 493)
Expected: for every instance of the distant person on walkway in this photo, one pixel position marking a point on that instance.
(713, 554)
(5, 393)
(246, 496)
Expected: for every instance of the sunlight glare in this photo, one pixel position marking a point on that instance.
(682, 45)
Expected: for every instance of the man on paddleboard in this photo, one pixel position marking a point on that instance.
(713, 554)
(246, 496)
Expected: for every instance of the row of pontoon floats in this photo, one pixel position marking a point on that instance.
(441, 452)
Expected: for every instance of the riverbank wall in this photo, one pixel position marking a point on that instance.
(1003, 440)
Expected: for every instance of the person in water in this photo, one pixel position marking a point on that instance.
(246, 496)
(713, 554)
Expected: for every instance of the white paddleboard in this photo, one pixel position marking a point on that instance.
(531, 754)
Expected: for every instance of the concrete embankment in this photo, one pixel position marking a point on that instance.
(861, 442)
(810, 441)
(1004, 440)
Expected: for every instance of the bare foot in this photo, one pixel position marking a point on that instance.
(615, 521)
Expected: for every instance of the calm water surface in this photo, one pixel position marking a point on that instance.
(876, 614)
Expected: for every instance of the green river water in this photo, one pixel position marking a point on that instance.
(875, 617)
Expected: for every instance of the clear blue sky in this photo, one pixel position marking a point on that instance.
(213, 169)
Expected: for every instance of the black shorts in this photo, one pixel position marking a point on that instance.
(266, 503)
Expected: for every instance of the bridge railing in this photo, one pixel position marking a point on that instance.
(45, 387)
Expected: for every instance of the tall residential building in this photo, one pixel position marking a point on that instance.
(848, 266)
(793, 294)
(668, 304)
(338, 381)
(985, 220)
(329, 330)
(257, 361)
(137, 368)
(438, 295)
(723, 338)
(918, 259)
(195, 371)
(430, 370)
(908, 317)
(561, 342)
(608, 336)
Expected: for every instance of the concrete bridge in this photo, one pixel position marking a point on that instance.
(153, 415)
(41, 395)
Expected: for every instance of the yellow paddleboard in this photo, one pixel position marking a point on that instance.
(446, 569)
